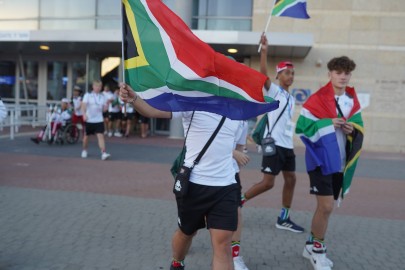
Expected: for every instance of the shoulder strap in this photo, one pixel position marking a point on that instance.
(184, 144)
(279, 116)
(209, 142)
(338, 108)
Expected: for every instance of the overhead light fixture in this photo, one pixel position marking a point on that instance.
(232, 50)
(44, 47)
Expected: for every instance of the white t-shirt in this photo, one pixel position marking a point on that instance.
(346, 104)
(108, 96)
(94, 107)
(283, 131)
(215, 167)
(77, 103)
(114, 106)
(128, 108)
(241, 140)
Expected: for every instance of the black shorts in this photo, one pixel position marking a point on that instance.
(142, 119)
(207, 206)
(105, 114)
(94, 128)
(283, 160)
(237, 178)
(114, 116)
(325, 185)
(128, 116)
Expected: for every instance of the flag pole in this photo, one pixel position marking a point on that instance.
(267, 25)
(122, 50)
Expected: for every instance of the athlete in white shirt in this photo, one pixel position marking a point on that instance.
(93, 106)
(212, 199)
(282, 132)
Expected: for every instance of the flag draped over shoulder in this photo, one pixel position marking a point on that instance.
(291, 8)
(318, 134)
(173, 70)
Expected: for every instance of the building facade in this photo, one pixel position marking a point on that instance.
(48, 46)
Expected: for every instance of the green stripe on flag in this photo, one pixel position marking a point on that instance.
(309, 127)
(281, 5)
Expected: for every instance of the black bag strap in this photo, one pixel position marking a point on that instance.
(189, 125)
(279, 116)
(338, 107)
(208, 142)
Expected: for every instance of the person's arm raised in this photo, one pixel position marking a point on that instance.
(128, 95)
(263, 59)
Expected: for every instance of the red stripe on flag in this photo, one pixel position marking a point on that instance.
(201, 58)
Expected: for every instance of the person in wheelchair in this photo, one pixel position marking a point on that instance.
(60, 118)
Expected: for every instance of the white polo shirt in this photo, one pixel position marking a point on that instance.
(215, 167)
(94, 107)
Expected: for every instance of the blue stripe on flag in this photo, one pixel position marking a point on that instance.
(234, 109)
(299, 10)
(323, 153)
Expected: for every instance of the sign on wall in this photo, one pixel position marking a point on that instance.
(300, 95)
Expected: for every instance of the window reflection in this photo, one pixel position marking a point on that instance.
(29, 80)
(222, 15)
(57, 80)
(7, 79)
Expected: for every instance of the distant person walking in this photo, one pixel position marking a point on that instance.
(93, 106)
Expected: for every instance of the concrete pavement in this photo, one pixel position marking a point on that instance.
(58, 211)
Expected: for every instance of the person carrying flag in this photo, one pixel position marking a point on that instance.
(331, 128)
(281, 129)
(213, 195)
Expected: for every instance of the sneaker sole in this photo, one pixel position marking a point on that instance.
(307, 255)
(287, 229)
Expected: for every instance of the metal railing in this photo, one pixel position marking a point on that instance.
(21, 115)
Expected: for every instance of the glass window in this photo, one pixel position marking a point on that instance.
(21, 9)
(49, 24)
(79, 74)
(68, 9)
(222, 15)
(57, 80)
(19, 25)
(29, 83)
(7, 79)
(108, 14)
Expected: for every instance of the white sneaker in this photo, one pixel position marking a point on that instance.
(105, 156)
(118, 134)
(84, 154)
(239, 264)
(109, 134)
(307, 253)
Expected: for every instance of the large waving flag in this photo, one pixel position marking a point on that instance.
(173, 70)
(318, 134)
(291, 8)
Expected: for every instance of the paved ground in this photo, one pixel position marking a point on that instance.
(58, 211)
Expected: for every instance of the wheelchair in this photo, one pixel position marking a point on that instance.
(68, 133)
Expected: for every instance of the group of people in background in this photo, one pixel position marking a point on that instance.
(96, 113)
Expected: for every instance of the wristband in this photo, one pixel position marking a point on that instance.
(132, 100)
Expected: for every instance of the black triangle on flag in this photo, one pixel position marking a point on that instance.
(130, 49)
